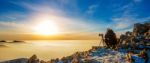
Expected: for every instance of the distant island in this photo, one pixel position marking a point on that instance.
(131, 47)
(2, 41)
(14, 41)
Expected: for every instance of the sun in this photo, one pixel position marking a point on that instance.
(46, 28)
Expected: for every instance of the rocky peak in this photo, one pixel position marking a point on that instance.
(140, 29)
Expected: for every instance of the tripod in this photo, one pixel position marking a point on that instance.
(102, 40)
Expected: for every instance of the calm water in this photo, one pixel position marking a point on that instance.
(45, 49)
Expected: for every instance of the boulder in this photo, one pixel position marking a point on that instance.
(33, 59)
(140, 29)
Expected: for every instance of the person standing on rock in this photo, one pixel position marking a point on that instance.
(110, 38)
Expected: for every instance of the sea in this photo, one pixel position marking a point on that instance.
(44, 49)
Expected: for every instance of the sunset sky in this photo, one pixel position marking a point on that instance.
(69, 19)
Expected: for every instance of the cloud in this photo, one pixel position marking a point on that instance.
(66, 24)
(65, 2)
(125, 23)
(129, 8)
(69, 24)
(92, 9)
(11, 24)
(137, 1)
(15, 27)
(126, 17)
(12, 16)
(53, 6)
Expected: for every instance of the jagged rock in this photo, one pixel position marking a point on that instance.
(142, 31)
(33, 59)
(140, 35)
(42, 61)
(122, 38)
(128, 33)
(141, 28)
(20, 60)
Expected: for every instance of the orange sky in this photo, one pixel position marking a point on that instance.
(75, 36)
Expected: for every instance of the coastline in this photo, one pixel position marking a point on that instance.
(95, 55)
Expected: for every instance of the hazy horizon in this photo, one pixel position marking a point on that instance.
(47, 48)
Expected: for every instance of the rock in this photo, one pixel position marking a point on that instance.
(122, 38)
(141, 28)
(20, 60)
(33, 59)
(139, 35)
(42, 61)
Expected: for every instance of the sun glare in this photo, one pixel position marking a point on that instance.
(46, 28)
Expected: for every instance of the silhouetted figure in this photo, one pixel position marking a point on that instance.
(110, 38)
